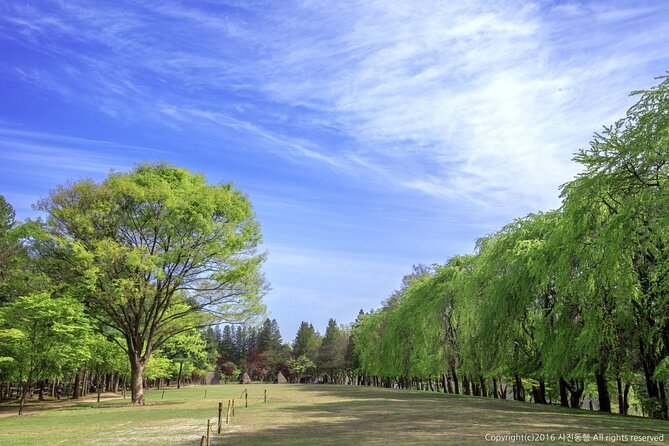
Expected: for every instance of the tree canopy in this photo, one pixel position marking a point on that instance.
(153, 253)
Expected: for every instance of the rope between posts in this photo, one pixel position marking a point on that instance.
(205, 440)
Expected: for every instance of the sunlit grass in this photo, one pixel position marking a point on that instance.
(308, 415)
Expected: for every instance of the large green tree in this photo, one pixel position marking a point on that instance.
(152, 253)
(619, 206)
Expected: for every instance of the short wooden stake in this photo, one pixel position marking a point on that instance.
(246, 399)
(220, 416)
(208, 431)
(227, 414)
(163, 397)
(205, 394)
(203, 441)
(265, 395)
(233, 407)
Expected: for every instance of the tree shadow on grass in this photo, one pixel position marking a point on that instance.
(351, 415)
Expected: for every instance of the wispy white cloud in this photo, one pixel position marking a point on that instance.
(478, 101)
(61, 157)
(485, 101)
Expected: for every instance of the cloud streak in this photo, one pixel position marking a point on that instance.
(475, 101)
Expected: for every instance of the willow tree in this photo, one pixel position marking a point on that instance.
(620, 204)
(153, 253)
(518, 299)
(367, 335)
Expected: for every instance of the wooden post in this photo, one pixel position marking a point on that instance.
(220, 416)
(163, 397)
(246, 399)
(233, 407)
(205, 394)
(227, 414)
(265, 395)
(208, 431)
(203, 441)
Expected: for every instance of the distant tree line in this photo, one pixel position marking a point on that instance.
(310, 358)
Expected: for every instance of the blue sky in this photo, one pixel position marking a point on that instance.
(370, 135)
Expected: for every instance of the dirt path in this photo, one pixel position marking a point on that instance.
(12, 409)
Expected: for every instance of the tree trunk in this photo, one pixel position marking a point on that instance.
(655, 389)
(564, 399)
(539, 393)
(519, 394)
(603, 392)
(484, 391)
(664, 409)
(24, 390)
(181, 367)
(456, 384)
(77, 385)
(99, 388)
(576, 391)
(137, 368)
(626, 404)
(621, 402)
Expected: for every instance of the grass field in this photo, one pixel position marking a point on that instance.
(314, 415)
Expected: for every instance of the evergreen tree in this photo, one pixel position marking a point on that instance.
(226, 346)
(307, 342)
(332, 351)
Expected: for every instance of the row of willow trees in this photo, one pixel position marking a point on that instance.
(565, 299)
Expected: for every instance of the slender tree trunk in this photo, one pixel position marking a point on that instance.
(564, 399)
(181, 367)
(603, 392)
(22, 397)
(664, 409)
(484, 391)
(576, 391)
(476, 390)
(456, 384)
(99, 388)
(520, 391)
(626, 393)
(621, 397)
(465, 385)
(77, 385)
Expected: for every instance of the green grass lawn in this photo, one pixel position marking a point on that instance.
(312, 415)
